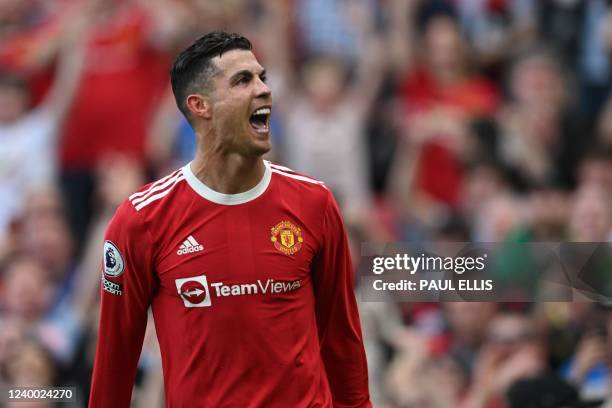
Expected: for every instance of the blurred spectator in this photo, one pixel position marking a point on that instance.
(467, 329)
(171, 140)
(579, 31)
(125, 75)
(604, 124)
(325, 27)
(595, 64)
(513, 351)
(540, 140)
(417, 379)
(28, 135)
(440, 99)
(546, 216)
(591, 366)
(498, 30)
(560, 25)
(483, 182)
(27, 290)
(28, 296)
(382, 328)
(596, 167)
(30, 365)
(498, 218)
(543, 391)
(324, 112)
(45, 236)
(591, 219)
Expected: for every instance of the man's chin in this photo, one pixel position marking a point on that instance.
(261, 147)
(260, 141)
(255, 148)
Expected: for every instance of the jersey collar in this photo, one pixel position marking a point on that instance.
(227, 199)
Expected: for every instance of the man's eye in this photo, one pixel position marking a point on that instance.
(244, 80)
(263, 78)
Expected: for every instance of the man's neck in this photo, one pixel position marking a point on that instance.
(228, 174)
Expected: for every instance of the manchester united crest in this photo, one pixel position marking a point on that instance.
(286, 237)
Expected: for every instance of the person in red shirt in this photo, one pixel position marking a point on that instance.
(245, 263)
(440, 101)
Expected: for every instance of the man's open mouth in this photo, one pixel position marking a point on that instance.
(260, 119)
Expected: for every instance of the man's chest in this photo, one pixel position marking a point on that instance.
(234, 253)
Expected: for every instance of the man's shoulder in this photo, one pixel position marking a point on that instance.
(293, 179)
(151, 195)
(308, 190)
(148, 199)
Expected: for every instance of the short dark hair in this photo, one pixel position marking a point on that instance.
(193, 69)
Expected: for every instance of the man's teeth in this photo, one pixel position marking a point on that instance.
(262, 111)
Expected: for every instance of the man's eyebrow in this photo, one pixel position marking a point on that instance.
(243, 72)
(246, 72)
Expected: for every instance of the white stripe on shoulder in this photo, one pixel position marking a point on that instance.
(154, 184)
(279, 167)
(159, 187)
(157, 196)
(298, 177)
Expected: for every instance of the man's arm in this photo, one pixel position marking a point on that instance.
(66, 45)
(65, 84)
(338, 324)
(128, 284)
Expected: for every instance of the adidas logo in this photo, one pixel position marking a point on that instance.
(189, 246)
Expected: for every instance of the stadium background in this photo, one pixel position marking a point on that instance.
(461, 120)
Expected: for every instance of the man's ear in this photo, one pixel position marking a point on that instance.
(199, 106)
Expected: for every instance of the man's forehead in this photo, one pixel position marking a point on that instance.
(237, 60)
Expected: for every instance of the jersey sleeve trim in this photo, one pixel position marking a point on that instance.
(287, 172)
(156, 191)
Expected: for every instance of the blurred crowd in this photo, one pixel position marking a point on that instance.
(431, 120)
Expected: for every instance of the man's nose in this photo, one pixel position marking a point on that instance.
(262, 89)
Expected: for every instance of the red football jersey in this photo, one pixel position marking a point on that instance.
(252, 296)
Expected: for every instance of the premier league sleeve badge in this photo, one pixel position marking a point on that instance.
(113, 260)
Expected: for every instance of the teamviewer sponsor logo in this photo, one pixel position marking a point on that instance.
(194, 291)
(268, 286)
(189, 246)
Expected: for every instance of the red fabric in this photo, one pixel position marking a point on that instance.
(123, 81)
(15, 54)
(16, 49)
(439, 345)
(296, 348)
(497, 6)
(474, 95)
(439, 172)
